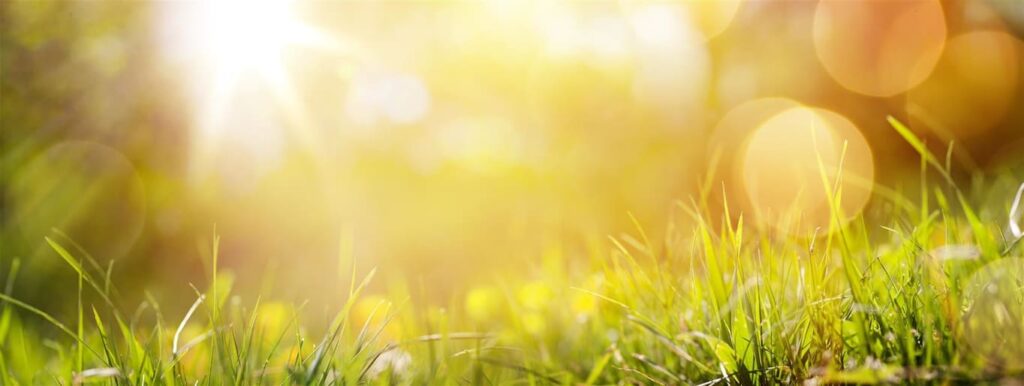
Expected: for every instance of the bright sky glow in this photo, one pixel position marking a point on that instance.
(229, 46)
(247, 36)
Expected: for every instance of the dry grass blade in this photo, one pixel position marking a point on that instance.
(184, 321)
(1015, 215)
(99, 372)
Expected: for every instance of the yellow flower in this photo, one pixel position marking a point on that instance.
(535, 295)
(194, 351)
(369, 310)
(534, 323)
(272, 317)
(583, 304)
(482, 303)
(374, 311)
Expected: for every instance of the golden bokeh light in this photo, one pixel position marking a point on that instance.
(972, 88)
(879, 48)
(396, 98)
(478, 143)
(994, 319)
(673, 63)
(710, 17)
(726, 143)
(799, 160)
(602, 36)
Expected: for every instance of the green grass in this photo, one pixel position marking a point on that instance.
(886, 302)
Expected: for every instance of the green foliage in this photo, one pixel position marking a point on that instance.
(862, 303)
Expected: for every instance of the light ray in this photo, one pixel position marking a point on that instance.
(245, 42)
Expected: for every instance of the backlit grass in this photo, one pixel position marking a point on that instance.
(928, 291)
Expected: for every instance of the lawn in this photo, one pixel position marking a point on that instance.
(928, 292)
(478, 192)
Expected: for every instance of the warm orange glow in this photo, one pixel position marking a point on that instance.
(735, 127)
(879, 48)
(972, 88)
(797, 161)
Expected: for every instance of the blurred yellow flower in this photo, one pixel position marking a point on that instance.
(534, 323)
(290, 355)
(272, 317)
(373, 311)
(195, 353)
(369, 310)
(583, 304)
(535, 295)
(482, 303)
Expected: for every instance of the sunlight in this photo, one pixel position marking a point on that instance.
(396, 98)
(247, 36)
(972, 87)
(734, 128)
(235, 54)
(782, 170)
(673, 61)
(399, 192)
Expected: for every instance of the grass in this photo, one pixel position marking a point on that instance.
(890, 302)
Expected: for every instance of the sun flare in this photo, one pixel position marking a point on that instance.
(231, 48)
(602, 192)
(250, 35)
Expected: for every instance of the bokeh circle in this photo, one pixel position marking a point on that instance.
(972, 88)
(879, 48)
(799, 160)
(993, 319)
(88, 191)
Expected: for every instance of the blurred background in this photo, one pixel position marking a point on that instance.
(447, 143)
